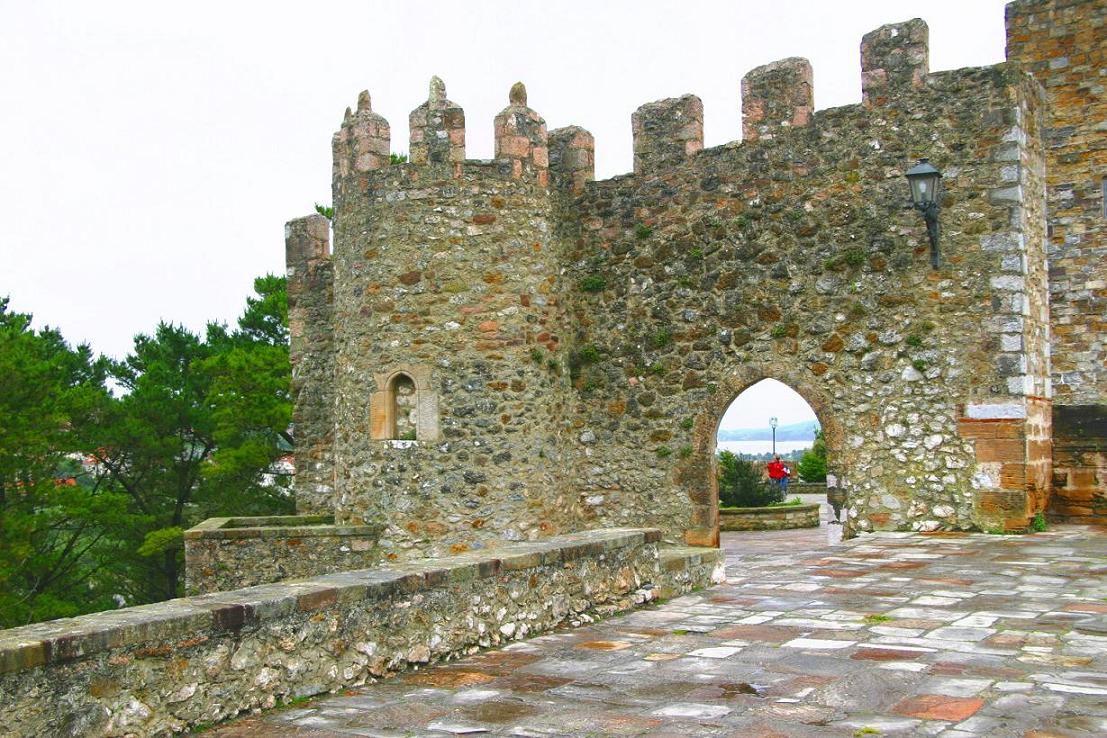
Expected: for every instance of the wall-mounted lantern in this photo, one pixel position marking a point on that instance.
(926, 193)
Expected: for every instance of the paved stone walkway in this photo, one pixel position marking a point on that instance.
(889, 635)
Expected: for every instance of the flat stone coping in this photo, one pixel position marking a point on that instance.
(676, 557)
(67, 639)
(768, 510)
(277, 526)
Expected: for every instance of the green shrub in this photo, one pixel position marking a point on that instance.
(1038, 524)
(919, 364)
(914, 341)
(663, 452)
(741, 483)
(685, 452)
(662, 338)
(642, 231)
(397, 158)
(812, 465)
(687, 423)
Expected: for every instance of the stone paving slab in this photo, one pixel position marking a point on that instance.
(887, 635)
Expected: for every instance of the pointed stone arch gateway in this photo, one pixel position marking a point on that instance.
(699, 477)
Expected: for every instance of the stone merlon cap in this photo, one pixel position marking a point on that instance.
(518, 94)
(437, 93)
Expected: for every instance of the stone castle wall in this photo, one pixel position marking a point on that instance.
(1063, 43)
(310, 280)
(453, 278)
(795, 257)
(573, 344)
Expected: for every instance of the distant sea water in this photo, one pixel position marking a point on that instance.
(762, 447)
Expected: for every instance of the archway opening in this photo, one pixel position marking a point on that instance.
(404, 404)
(769, 448)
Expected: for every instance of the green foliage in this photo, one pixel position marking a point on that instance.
(854, 257)
(695, 253)
(657, 368)
(327, 211)
(919, 364)
(160, 540)
(663, 452)
(408, 435)
(685, 452)
(788, 503)
(914, 340)
(59, 524)
(593, 283)
(1038, 524)
(642, 231)
(687, 423)
(193, 433)
(779, 331)
(877, 619)
(537, 356)
(812, 465)
(662, 338)
(589, 354)
(742, 484)
(395, 158)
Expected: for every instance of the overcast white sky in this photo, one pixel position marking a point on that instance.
(150, 153)
(767, 399)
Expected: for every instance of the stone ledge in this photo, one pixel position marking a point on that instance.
(160, 669)
(57, 641)
(278, 526)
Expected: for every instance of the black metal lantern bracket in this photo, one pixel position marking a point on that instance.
(926, 182)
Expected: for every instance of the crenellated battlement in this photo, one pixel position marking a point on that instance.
(774, 97)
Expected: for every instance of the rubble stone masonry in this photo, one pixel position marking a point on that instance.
(1063, 43)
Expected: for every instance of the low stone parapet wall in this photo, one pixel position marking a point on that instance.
(158, 669)
(231, 553)
(780, 517)
(806, 488)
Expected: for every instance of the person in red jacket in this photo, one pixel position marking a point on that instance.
(778, 474)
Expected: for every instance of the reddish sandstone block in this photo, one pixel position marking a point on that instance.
(939, 707)
(1000, 450)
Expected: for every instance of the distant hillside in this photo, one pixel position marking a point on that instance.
(804, 431)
